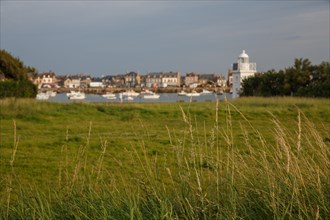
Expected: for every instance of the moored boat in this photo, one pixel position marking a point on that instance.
(129, 98)
(77, 96)
(109, 95)
(151, 96)
(182, 93)
(131, 93)
(72, 93)
(206, 92)
(193, 94)
(146, 92)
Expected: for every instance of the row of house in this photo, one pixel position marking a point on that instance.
(130, 80)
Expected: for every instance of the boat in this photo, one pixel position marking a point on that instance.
(193, 94)
(131, 93)
(146, 92)
(77, 96)
(206, 92)
(109, 95)
(72, 93)
(42, 96)
(151, 96)
(182, 93)
(129, 98)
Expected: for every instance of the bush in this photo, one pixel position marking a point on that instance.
(18, 89)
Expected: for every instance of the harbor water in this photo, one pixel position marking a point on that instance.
(164, 97)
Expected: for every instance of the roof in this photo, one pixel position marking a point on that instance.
(243, 55)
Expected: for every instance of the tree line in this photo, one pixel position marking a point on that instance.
(14, 77)
(301, 79)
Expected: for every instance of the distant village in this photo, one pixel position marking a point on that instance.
(242, 69)
(131, 80)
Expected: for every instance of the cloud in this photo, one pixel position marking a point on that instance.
(160, 34)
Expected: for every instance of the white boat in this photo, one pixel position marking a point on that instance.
(182, 93)
(131, 93)
(109, 95)
(129, 98)
(72, 93)
(146, 92)
(151, 96)
(193, 94)
(206, 92)
(42, 96)
(77, 96)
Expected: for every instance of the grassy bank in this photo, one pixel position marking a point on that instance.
(251, 158)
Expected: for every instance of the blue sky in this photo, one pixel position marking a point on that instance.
(112, 37)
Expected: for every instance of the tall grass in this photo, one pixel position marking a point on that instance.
(205, 172)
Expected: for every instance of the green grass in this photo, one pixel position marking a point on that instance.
(250, 158)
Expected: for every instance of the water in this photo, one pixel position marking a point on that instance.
(164, 97)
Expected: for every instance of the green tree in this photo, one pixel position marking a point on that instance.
(16, 83)
(302, 79)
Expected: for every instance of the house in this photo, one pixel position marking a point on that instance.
(45, 80)
(85, 81)
(206, 79)
(96, 82)
(153, 80)
(132, 79)
(191, 79)
(72, 82)
(171, 79)
(162, 79)
(106, 80)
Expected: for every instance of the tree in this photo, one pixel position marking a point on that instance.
(302, 79)
(16, 83)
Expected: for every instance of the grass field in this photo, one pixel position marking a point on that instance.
(250, 158)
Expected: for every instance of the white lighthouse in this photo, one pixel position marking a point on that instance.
(241, 70)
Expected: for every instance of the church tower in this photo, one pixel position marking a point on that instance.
(241, 70)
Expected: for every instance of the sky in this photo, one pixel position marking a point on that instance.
(114, 37)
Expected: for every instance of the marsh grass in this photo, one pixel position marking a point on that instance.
(231, 168)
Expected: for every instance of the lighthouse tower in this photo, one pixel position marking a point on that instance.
(241, 70)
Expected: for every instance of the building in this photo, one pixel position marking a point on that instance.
(45, 80)
(85, 81)
(206, 79)
(191, 79)
(132, 79)
(241, 70)
(153, 80)
(96, 82)
(72, 82)
(171, 79)
(162, 79)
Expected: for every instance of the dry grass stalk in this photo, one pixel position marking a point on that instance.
(299, 132)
